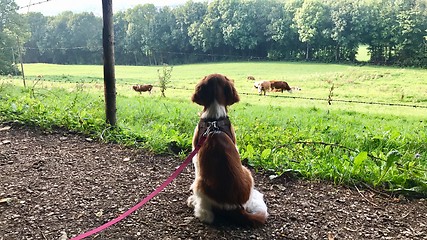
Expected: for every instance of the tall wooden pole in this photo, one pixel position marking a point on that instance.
(14, 61)
(20, 59)
(109, 74)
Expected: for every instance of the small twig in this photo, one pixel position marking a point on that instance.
(364, 196)
(404, 216)
(102, 133)
(42, 233)
(350, 230)
(376, 191)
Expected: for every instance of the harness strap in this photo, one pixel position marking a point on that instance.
(207, 126)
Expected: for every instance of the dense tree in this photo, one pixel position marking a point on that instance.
(186, 15)
(13, 33)
(161, 36)
(346, 28)
(138, 31)
(395, 32)
(38, 31)
(282, 33)
(86, 32)
(238, 24)
(121, 52)
(66, 39)
(207, 34)
(310, 19)
(412, 29)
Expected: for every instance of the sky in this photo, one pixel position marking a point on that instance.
(53, 7)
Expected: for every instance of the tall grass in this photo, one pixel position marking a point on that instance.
(382, 146)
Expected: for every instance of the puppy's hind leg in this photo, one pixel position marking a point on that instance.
(203, 209)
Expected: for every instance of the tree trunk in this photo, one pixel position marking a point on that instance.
(307, 52)
(337, 53)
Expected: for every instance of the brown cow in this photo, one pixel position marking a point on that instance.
(143, 88)
(280, 85)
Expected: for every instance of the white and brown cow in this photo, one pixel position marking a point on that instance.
(263, 86)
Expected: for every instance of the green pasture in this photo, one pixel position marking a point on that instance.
(363, 54)
(377, 142)
(355, 83)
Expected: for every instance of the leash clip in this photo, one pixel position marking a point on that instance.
(213, 126)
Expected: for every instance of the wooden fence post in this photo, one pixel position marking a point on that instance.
(109, 73)
(20, 59)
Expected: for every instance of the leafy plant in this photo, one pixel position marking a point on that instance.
(164, 78)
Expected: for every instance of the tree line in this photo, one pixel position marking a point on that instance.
(395, 32)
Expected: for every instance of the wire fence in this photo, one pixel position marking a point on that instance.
(32, 4)
(329, 100)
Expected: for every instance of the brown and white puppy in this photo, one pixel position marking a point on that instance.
(222, 183)
(143, 88)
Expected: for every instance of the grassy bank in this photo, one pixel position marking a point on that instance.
(380, 145)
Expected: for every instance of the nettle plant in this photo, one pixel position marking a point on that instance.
(164, 78)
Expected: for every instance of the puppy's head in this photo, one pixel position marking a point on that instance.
(215, 87)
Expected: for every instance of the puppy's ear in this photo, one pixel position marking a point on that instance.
(202, 95)
(230, 93)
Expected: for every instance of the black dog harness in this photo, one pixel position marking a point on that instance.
(208, 126)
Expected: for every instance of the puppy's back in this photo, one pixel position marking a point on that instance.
(223, 178)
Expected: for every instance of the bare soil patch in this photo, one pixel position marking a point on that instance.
(61, 184)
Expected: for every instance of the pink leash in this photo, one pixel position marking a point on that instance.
(146, 199)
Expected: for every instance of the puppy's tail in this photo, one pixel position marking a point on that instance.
(256, 219)
(255, 210)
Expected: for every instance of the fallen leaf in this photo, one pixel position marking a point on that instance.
(272, 177)
(6, 200)
(5, 128)
(99, 213)
(63, 236)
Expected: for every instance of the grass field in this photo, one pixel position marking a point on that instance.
(378, 144)
(363, 53)
(379, 84)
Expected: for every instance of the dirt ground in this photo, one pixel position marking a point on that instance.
(58, 185)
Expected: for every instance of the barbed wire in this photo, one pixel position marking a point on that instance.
(341, 100)
(32, 4)
(321, 99)
(328, 100)
(155, 52)
(212, 55)
(56, 48)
